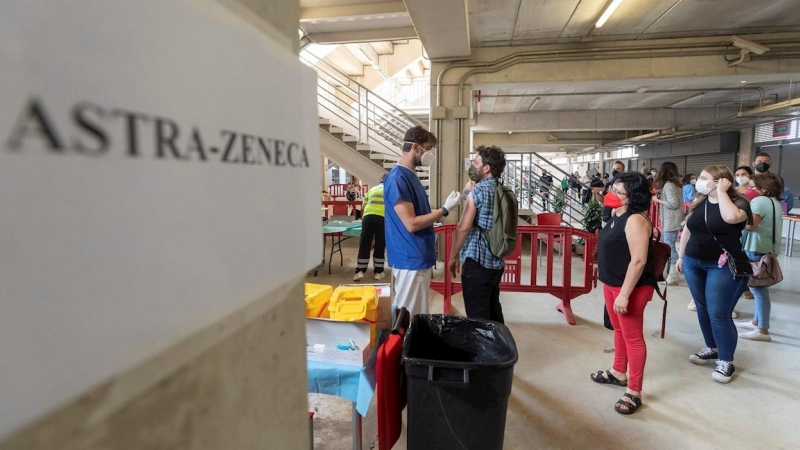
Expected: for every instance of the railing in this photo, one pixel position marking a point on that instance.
(407, 92)
(531, 189)
(513, 280)
(361, 112)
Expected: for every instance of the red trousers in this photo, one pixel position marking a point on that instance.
(630, 350)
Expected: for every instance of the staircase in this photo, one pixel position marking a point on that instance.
(359, 130)
(527, 184)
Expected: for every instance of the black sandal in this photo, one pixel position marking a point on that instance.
(629, 408)
(608, 379)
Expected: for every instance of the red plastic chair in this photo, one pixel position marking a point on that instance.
(550, 219)
(512, 272)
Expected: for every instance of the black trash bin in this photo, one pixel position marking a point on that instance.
(459, 373)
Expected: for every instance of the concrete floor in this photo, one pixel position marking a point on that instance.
(554, 404)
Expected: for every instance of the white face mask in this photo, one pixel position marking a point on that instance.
(743, 181)
(702, 187)
(693, 182)
(653, 172)
(427, 158)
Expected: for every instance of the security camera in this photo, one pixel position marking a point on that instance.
(749, 46)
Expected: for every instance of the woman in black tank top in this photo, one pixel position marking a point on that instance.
(626, 270)
(713, 234)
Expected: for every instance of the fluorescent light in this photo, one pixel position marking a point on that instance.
(641, 90)
(794, 143)
(608, 12)
(533, 105)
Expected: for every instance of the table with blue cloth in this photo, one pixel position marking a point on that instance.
(339, 231)
(354, 383)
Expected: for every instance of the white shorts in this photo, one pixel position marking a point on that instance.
(411, 290)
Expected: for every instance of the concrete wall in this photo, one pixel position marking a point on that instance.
(243, 387)
(239, 383)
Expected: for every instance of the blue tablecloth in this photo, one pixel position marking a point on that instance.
(354, 383)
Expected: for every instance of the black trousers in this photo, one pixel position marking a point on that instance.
(371, 226)
(481, 289)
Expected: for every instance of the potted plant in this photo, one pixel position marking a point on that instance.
(559, 202)
(592, 220)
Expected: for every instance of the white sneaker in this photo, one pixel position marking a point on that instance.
(691, 306)
(358, 276)
(735, 315)
(745, 324)
(379, 276)
(756, 335)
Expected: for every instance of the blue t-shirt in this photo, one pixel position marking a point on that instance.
(689, 192)
(409, 251)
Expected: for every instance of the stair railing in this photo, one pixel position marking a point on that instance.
(365, 114)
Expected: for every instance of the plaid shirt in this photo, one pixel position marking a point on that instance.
(476, 246)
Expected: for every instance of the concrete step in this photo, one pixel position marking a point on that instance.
(348, 138)
(425, 183)
(336, 130)
(388, 165)
(323, 121)
(360, 147)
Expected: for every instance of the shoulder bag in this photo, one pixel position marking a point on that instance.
(767, 271)
(739, 268)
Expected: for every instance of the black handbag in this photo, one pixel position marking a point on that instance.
(740, 268)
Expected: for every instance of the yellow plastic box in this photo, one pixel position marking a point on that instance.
(355, 304)
(317, 298)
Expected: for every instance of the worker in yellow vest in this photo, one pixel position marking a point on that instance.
(372, 226)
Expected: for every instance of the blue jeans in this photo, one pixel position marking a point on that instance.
(715, 293)
(669, 238)
(761, 297)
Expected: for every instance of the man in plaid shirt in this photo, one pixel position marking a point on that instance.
(481, 271)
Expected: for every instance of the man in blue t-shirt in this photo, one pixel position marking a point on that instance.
(409, 222)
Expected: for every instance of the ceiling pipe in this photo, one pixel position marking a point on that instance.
(677, 49)
(578, 58)
(761, 91)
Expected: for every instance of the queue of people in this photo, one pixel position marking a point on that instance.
(733, 216)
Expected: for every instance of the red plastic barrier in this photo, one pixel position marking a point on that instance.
(337, 190)
(340, 190)
(343, 208)
(512, 279)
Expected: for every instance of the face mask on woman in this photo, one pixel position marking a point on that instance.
(612, 200)
(692, 181)
(702, 187)
(742, 181)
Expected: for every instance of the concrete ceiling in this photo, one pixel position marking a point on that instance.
(342, 21)
(463, 29)
(517, 22)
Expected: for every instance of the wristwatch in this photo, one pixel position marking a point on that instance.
(445, 212)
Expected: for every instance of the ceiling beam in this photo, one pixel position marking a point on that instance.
(343, 37)
(442, 38)
(330, 12)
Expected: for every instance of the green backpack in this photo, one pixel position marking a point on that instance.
(502, 236)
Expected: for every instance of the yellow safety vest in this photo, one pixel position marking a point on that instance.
(373, 201)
